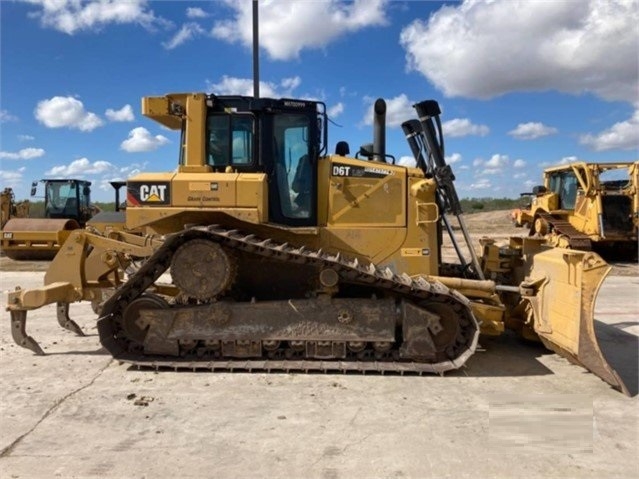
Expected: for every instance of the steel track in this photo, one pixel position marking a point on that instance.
(576, 238)
(417, 289)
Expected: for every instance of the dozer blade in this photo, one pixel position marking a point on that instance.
(566, 284)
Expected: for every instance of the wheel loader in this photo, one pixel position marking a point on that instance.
(588, 206)
(266, 252)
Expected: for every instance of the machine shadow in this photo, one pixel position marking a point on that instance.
(97, 352)
(621, 350)
(506, 355)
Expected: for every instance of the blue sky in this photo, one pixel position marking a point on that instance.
(522, 84)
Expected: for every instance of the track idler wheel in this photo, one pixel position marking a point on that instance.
(202, 269)
(133, 327)
(541, 227)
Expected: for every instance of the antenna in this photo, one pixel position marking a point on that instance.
(256, 52)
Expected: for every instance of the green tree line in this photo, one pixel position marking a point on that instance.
(36, 208)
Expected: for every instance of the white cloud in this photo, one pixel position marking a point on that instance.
(532, 131)
(80, 167)
(24, 154)
(410, 161)
(463, 127)
(196, 12)
(485, 49)
(118, 174)
(25, 138)
(563, 161)
(568, 159)
(6, 117)
(497, 161)
(187, 32)
(454, 158)
(291, 83)
(494, 166)
(132, 169)
(336, 110)
(407, 161)
(244, 86)
(59, 112)
(123, 114)
(288, 26)
(11, 177)
(141, 140)
(481, 184)
(620, 136)
(72, 16)
(398, 110)
(519, 163)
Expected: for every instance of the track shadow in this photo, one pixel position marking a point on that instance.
(506, 355)
(621, 350)
(97, 352)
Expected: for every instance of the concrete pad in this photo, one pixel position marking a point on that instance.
(516, 410)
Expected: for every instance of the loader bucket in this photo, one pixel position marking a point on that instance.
(566, 284)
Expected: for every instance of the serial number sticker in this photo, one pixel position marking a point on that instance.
(340, 169)
(415, 252)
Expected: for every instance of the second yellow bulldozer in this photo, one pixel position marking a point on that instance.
(587, 206)
(265, 252)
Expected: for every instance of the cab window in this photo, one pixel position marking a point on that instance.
(293, 166)
(565, 185)
(229, 140)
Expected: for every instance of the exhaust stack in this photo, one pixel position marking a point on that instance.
(379, 130)
(256, 51)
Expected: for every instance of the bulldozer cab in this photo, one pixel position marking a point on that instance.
(289, 141)
(66, 199)
(230, 144)
(565, 185)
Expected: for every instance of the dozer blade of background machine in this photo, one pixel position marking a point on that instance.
(565, 284)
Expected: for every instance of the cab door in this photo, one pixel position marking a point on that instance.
(293, 170)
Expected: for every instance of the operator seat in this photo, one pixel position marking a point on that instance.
(70, 208)
(302, 184)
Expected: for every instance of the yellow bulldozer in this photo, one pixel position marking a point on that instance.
(587, 206)
(263, 251)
